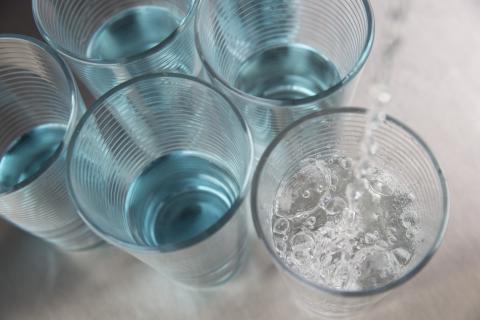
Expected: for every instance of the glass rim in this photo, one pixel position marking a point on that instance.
(337, 292)
(119, 61)
(240, 199)
(74, 103)
(360, 63)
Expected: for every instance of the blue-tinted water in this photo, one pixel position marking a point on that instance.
(29, 154)
(131, 32)
(287, 73)
(178, 197)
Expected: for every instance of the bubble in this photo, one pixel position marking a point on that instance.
(281, 226)
(335, 206)
(346, 163)
(302, 248)
(301, 257)
(311, 221)
(316, 219)
(281, 246)
(302, 240)
(327, 197)
(334, 180)
(380, 186)
(333, 188)
(303, 188)
(402, 255)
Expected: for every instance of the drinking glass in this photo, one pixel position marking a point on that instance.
(39, 107)
(278, 60)
(322, 135)
(110, 41)
(159, 167)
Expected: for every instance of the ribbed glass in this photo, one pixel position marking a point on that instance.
(37, 90)
(229, 33)
(70, 26)
(150, 118)
(340, 131)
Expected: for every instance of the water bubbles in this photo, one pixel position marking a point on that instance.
(302, 247)
(306, 194)
(402, 255)
(342, 231)
(325, 199)
(316, 219)
(380, 185)
(310, 222)
(346, 163)
(305, 188)
(408, 219)
(402, 201)
(335, 206)
(300, 257)
(334, 180)
(281, 247)
(281, 226)
(302, 240)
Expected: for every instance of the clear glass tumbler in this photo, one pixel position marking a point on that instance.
(339, 131)
(159, 167)
(39, 108)
(110, 41)
(278, 60)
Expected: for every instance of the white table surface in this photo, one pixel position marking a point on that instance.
(436, 91)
